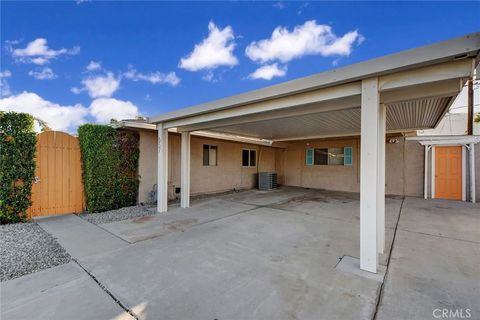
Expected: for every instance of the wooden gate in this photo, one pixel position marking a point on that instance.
(58, 186)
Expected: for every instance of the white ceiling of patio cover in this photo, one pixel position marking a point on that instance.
(403, 116)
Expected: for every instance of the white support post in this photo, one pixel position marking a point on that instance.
(425, 178)
(185, 170)
(464, 173)
(432, 169)
(369, 175)
(472, 173)
(162, 169)
(381, 179)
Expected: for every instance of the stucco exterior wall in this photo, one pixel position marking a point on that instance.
(403, 167)
(228, 174)
(147, 164)
(340, 178)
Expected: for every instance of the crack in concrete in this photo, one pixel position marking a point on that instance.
(439, 236)
(104, 288)
(380, 293)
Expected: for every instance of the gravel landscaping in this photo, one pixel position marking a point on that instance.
(119, 214)
(26, 248)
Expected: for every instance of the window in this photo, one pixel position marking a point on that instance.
(335, 156)
(320, 156)
(209, 155)
(249, 157)
(328, 156)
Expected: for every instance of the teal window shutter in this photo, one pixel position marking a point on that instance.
(347, 156)
(309, 157)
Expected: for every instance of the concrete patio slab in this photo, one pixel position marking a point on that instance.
(226, 259)
(264, 198)
(451, 219)
(337, 205)
(430, 272)
(79, 237)
(63, 292)
(176, 219)
(261, 264)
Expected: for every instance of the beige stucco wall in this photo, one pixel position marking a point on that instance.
(228, 174)
(147, 164)
(404, 164)
(340, 178)
(403, 167)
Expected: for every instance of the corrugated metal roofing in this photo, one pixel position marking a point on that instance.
(423, 113)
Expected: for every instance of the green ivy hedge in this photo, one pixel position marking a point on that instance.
(110, 166)
(17, 165)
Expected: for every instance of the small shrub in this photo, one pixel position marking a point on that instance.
(110, 166)
(17, 165)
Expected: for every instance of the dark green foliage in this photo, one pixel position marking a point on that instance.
(128, 146)
(110, 162)
(17, 165)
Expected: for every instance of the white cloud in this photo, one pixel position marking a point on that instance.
(4, 86)
(104, 109)
(5, 74)
(99, 86)
(153, 77)
(214, 51)
(307, 39)
(268, 72)
(39, 53)
(76, 90)
(45, 74)
(93, 65)
(58, 117)
(279, 5)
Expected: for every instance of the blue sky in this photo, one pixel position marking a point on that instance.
(134, 50)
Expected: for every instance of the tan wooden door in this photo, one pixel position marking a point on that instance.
(58, 188)
(448, 173)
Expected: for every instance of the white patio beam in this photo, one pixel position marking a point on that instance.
(185, 170)
(281, 103)
(439, 80)
(461, 69)
(447, 88)
(162, 169)
(369, 190)
(299, 110)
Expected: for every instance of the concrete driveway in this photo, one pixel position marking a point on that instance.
(276, 255)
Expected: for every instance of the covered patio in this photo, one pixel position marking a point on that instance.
(402, 92)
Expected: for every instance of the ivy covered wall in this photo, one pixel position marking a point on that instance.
(110, 166)
(17, 165)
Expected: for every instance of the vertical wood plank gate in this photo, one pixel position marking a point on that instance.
(58, 186)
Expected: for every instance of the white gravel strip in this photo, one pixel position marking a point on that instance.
(119, 214)
(26, 248)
